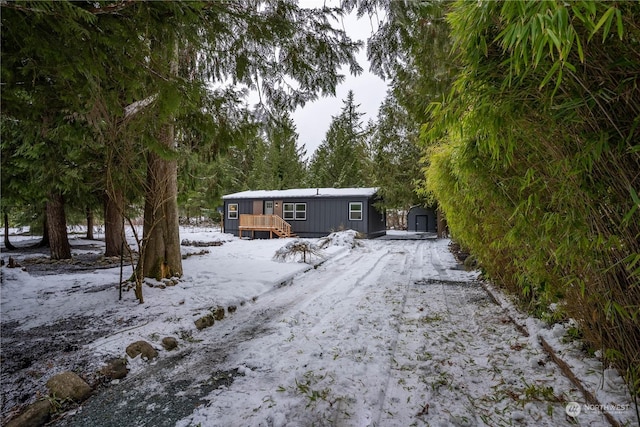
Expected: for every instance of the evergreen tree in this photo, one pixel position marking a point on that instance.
(341, 159)
(204, 170)
(270, 158)
(284, 159)
(395, 163)
(411, 48)
(151, 63)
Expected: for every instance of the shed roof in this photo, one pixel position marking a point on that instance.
(303, 192)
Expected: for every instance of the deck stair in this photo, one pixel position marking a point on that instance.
(271, 223)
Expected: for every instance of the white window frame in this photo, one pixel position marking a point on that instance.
(288, 211)
(353, 211)
(300, 211)
(294, 211)
(232, 213)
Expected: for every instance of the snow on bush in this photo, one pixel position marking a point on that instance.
(303, 249)
(340, 238)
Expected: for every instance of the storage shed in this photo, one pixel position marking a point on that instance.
(303, 212)
(421, 219)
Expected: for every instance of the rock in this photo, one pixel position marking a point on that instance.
(169, 343)
(218, 313)
(68, 385)
(205, 322)
(142, 348)
(116, 368)
(232, 309)
(199, 243)
(37, 414)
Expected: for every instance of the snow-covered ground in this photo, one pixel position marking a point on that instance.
(380, 333)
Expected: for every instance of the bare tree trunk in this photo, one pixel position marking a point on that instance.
(161, 256)
(89, 224)
(57, 228)
(44, 243)
(7, 244)
(114, 228)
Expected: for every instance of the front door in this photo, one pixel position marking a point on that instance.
(421, 223)
(268, 207)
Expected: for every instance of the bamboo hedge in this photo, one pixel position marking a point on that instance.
(534, 157)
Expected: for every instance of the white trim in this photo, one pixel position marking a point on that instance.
(297, 212)
(352, 211)
(288, 211)
(293, 213)
(230, 211)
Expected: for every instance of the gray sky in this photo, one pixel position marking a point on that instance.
(312, 121)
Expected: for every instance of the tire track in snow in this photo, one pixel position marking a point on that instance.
(460, 362)
(415, 260)
(335, 335)
(171, 388)
(369, 338)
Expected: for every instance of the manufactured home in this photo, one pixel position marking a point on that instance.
(304, 212)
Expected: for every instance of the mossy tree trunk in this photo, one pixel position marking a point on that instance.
(114, 239)
(57, 227)
(160, 257)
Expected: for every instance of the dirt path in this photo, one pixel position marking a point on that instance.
(390, 334)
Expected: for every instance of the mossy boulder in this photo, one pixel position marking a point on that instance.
(142, 348)
(68, 385)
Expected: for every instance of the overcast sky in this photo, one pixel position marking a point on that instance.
(312, 121)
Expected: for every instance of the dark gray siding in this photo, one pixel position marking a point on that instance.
(421, 219)
(323, 216)
(245, 206)
(327, 214)
(377, 221)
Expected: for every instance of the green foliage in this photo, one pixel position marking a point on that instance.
(342, 158)
(411, 49)
(280, 164)
(90, 87)
(265, 157)
(395, 164)
(533, 157)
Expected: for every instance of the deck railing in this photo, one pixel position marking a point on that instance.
(272, 223)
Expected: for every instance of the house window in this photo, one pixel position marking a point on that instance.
(294, 211)
(355, 211)
(301, 211)
(232, 211)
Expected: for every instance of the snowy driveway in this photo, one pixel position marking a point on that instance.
(388, 334)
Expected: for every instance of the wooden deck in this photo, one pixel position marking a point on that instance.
(271, 223)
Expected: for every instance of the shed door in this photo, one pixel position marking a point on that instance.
(421, 222)
(268, 207)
